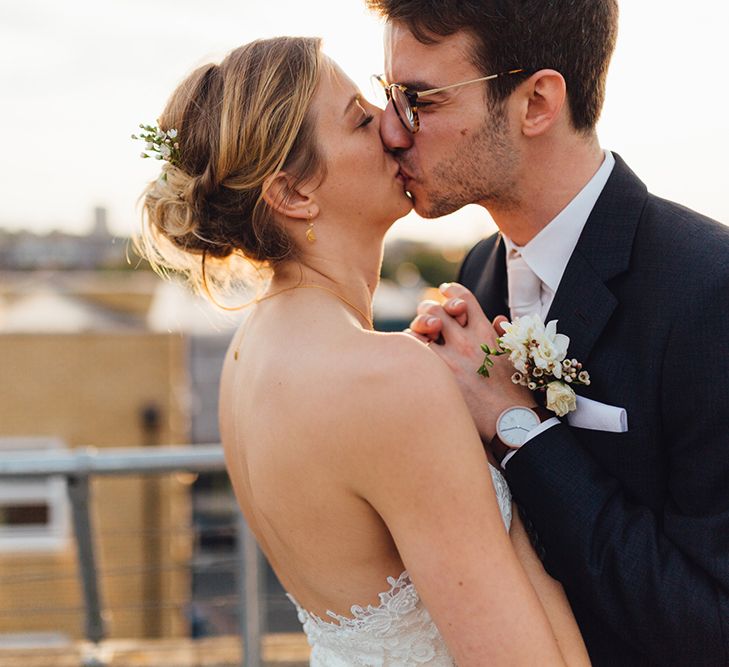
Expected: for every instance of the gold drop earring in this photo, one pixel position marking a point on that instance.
(310, 235)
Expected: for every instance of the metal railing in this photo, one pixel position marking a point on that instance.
(78, 465)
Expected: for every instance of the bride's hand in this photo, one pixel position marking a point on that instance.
(460, 327)
(427, 327)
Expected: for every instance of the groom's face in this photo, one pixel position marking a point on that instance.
(463, 152)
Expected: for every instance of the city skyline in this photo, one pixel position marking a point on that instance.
(85, 73)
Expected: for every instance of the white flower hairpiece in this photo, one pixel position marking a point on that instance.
(538, 354)
(159, 144)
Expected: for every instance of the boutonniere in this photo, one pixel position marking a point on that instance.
(539, 356)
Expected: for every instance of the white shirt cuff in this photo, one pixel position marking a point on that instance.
(552, 421)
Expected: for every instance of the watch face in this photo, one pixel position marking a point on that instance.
(514, 424)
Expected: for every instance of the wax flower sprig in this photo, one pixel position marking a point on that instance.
(159, 144)
(539, 356)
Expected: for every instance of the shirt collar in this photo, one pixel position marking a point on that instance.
(548, 253)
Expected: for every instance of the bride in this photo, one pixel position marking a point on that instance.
(352, 454)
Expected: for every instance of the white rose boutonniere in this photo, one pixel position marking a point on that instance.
(539, 356)
(561, 398)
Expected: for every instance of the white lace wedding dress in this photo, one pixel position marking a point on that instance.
(396, 633)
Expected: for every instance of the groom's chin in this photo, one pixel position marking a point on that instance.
(421, 204)
(428, 209)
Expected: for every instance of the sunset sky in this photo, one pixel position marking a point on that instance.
(78, 76)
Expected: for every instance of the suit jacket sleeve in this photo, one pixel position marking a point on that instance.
(659, 580)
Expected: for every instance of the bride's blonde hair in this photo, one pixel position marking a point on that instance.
(237, 123)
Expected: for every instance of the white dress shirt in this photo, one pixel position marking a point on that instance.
(548, 253)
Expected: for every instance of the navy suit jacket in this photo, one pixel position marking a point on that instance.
(636, 525)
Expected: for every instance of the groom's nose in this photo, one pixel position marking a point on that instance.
(394, 135)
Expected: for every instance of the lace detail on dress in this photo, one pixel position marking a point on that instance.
(398, 632)
(503, 495)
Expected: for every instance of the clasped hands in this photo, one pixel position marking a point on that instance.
(455, 331)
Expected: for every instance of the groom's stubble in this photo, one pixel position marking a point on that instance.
(479, 169)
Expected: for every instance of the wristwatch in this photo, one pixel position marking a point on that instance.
(513, 425)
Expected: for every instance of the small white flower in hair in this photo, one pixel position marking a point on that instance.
(159, 144)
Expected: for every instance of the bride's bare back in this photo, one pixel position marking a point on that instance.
(288, 441)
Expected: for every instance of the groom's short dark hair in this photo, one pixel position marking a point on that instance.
(574, 37)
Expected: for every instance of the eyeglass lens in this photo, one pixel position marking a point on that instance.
(402, 105)
(385, 93)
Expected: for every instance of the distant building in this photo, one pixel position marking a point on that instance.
(24, 251)
(85, 359)
(95, 388)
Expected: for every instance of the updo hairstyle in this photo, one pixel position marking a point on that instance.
(237, 123)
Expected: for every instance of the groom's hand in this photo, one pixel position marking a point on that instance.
(460, 327)
(427, 324)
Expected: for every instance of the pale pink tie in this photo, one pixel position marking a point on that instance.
(525, 287)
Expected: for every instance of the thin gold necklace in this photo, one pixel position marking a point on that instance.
(365, 317)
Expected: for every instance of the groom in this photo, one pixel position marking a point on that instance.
(629, 497)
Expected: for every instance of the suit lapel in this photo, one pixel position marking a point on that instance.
(491, 290)
(583, 303)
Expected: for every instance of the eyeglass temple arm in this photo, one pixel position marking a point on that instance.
(432, 91)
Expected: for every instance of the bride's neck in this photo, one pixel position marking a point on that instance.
(352, 270)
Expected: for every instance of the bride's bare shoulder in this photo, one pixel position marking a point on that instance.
(395, 372)
(371, 390)
(405, 411)
(399, 356)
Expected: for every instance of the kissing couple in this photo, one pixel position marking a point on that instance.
(417, 512)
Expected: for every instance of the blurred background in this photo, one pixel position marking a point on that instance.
(96, 351)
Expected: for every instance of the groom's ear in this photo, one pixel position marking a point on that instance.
(288, 197)
(543, 98)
